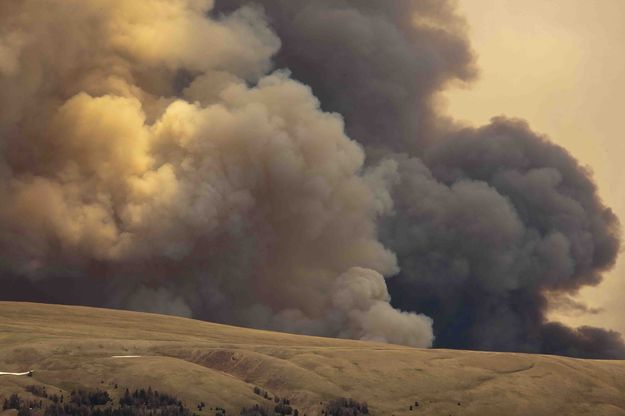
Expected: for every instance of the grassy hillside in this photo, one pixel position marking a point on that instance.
(73, 347)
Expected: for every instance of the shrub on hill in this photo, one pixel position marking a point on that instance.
(256, 411)
(16, 402)
(345, 407)
(148, 398)
(94, 398)
(39, 391)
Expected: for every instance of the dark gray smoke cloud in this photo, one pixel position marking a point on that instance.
(487, 222)
(152, 158)
(498, 219)
(378, 63)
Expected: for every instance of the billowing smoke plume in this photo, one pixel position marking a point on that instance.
(152, 158)
(151, 161)
(487, 223)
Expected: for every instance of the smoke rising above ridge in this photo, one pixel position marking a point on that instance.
(150, 152)
(153, 158)
(486, 222)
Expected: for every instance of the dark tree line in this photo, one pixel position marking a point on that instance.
(151, 399)
(87, 398)
(345, 407)
(98, 403)
(22, 406)
(142, 402)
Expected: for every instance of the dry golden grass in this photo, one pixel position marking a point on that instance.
(70, 347)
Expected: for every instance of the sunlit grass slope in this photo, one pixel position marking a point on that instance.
(73, 347)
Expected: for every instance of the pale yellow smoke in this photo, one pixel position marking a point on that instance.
(143, 142)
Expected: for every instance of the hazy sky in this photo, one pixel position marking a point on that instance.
(561, 65)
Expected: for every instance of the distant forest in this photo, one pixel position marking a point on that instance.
(148, 402)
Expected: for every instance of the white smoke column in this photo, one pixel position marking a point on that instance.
(361, 299)
(146, 145)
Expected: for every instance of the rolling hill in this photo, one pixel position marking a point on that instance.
(77, 347)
